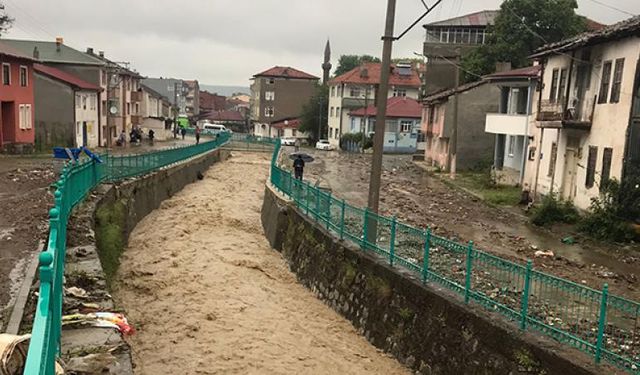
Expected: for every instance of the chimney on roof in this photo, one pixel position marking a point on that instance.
(502, 66)
(90, 50)
(59, 42)
(101, 53)
(36, 53)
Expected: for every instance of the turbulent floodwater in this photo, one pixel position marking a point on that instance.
(209, 296)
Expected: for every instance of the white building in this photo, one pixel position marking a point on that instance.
(87, 121)
(513, 122)
(357, 89)
(588, 120)
(153, 113)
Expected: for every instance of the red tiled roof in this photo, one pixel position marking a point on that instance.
(593, 25)
(8, 51)
(65, 77)
(223, 116)
(212, 102)
(287, 124)
(528, 71)
(372, 76)
(396, 107)
(285, 72)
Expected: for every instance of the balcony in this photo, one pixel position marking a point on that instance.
(136, 119)
(578, 115)
(136, 96)
(503, 123)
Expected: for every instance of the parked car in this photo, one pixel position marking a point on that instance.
(324, 144)
(214, 129)
(288, 141)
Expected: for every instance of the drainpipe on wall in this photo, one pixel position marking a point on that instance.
(539, 151)
(525, 145)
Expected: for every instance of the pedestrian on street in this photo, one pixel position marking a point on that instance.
(122, 139)
(183, 132)
(297, 144)
(298, 167)
(197, 134)
(151, 135)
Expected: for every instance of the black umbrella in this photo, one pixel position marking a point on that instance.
(306, 157)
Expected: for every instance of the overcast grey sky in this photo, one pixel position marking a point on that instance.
(225, 42)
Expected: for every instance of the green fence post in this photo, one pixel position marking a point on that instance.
(425, 259)
(342, 220)
(392, 240)
(467, 278)
(524, 305)
(317, 213)
(306, 196)
(363, 243)
(328, 216)
(602, 322)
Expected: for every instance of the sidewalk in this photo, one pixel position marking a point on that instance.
(145, 146)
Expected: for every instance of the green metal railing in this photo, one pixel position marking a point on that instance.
(76, 180)
(602, 325)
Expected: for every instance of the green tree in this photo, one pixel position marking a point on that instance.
(348, 62)
(521, 27)
(315, 112)
(5, 20)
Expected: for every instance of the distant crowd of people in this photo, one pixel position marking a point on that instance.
(135, 136)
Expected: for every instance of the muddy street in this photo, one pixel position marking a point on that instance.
(208, 295)
(421, 199)
(24, 199)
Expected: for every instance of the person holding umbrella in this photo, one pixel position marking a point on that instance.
(298, 167)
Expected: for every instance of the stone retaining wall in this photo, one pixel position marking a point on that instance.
(426, 328)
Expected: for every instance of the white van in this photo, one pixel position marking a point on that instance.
(214, 129)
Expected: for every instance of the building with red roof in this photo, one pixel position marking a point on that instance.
(402, 124)
(212, 102)
(357, 88)
(66, 109)
(289, 128)
(279, 93)
(17, 133)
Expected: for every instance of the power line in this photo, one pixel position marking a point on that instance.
(33, 21)
(612, 7)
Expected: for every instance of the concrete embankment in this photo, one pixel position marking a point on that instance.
(428, 329)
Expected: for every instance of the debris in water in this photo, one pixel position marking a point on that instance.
(541, 253)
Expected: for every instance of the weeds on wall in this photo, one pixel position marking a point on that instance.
(611, 214)
(554, 210)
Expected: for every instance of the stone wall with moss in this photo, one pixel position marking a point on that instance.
(426, 328)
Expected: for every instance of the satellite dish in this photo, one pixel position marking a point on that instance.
(113, 110)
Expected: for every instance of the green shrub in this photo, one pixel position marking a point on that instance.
(554, 210)
(610, 214)
(356, 138)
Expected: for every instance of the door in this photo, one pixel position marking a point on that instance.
(570, 169)
(84, 133)
(7, 111)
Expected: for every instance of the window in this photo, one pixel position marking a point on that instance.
(6, 74)
(338, 113)
(399, 92)
(269, 95)
(432, 115)
(405, 126)
(554, 85)
(270, 81)
(137, 108)
(25, 116)
(331, 112)
(104, 108)
(92, 102)
(268, 111)
(607, 153)
(617, 81)
(353, 124)
(604, 85)
(444, 36)
(333, 91)
(591, 166)
(294, 132)
(355, 92)
(330, 132)
(84, 102)
(103, 79)
(128, 108)
(563, 85)
(23, 76)
(512, 146)
(78, 101)
(552, 159)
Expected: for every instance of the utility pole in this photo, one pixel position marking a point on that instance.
(378, 136)
(320, 119)
(453, 142)
(364, 126)
(175, 110)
